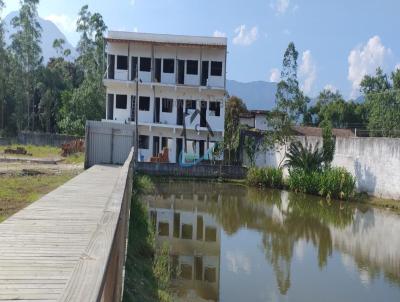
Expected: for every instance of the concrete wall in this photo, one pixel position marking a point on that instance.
(375, 162)
(44, 139)
(205, 171)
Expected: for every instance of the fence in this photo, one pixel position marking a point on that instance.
(107, 253)
(44, 139)
(374, 162)
(107, 142)
(200, 170)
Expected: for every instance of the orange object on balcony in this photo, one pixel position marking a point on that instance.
(163, 157)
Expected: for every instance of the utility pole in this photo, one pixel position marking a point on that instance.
(136, 150)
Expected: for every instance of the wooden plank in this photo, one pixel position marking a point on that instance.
(58, 248)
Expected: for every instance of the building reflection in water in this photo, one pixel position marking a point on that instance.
(192, 216)
(194, 238)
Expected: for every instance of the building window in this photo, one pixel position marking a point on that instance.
(145, 64)
(144, 142)
(168, 66)
(192, 67)
(216, 68)
(122, 62)
(134, 65)
(121, 101)
(144, 103)
(167, 105)
(190, 105)
(215, 108)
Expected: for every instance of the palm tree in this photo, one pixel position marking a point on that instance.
(307, 158)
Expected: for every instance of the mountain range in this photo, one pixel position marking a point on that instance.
(257, 95)
(50, 32)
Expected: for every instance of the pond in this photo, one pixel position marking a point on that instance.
(232, 243)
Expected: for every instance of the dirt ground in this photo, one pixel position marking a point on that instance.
(22, 183)
(14, 168)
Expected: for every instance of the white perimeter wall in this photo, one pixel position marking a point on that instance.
(375, 163)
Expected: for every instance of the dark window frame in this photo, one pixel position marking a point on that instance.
(192, 105)
(216, 107)
(122, 62)
(167, 105)
(144, 142)
(121, 98)
(168, 66)
(192, 67)
(143, 107)
(216, 71)
(145, 64)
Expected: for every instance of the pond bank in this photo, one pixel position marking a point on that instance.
(147, 269)
(361, 198)
(235, 243)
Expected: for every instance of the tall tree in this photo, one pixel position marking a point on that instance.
(291, 105)
(383, 104)
(3, 74)
(234, 107)
(27, 53)
(87, 102)
(289, 98)
(328, 147)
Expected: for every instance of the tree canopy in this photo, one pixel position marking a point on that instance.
(54, 96)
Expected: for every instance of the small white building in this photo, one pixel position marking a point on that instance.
(182, 85)
(255, 119)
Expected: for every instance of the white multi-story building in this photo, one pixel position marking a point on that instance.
(181, 85)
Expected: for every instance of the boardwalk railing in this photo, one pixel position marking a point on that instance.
(99, 275)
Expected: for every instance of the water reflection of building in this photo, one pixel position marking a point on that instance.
(194, 240)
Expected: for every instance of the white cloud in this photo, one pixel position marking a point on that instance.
(218, 33)
(245, 37)
(132, 2)
(64, 22)
(274, 75)
(238, 262)
(307, 71)
(365, 59)
(286, 31)
(397, 66)
(330, 87)
(280, 6)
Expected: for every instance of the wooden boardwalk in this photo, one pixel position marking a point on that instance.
(47, 248)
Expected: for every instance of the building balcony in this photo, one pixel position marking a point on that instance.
(132, 85)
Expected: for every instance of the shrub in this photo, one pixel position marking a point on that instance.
(304, 157)
(337, 183)
(302, 182)
(273, 177)
(330, 183)
(254, 176)
(265, 177)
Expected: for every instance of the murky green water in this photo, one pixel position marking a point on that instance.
(230, 243)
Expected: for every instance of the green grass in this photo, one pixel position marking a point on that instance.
(75, 158)
(147, 275)
(17, 191)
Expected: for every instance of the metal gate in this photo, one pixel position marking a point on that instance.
(107, 142)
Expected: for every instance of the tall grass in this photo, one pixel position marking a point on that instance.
(265, 177)
(335, 183)
(147, 275)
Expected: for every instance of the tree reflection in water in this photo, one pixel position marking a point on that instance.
(284, 219)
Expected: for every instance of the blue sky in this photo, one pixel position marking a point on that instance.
(338, 41)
